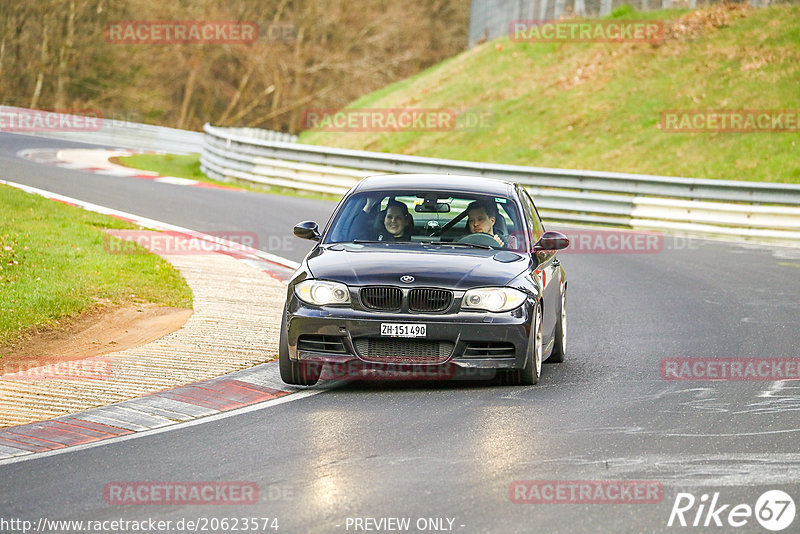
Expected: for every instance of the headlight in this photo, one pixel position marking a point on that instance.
(322, 292)
(493, 299)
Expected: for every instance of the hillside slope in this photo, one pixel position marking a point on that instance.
(598, 105)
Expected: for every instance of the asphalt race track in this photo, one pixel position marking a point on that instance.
(206, 210)
(453, 450)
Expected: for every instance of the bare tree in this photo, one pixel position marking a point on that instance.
(54, 54)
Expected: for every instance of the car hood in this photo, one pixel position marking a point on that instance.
(384, 264)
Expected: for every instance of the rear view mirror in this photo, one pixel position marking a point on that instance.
(431, 207)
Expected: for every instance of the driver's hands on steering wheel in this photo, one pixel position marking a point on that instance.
(493, 236)
(496, 238)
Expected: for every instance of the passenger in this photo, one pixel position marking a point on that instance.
(481, 216)
(397, 223)
(363, 224)
(392, 224)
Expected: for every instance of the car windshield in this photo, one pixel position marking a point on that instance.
(425, 218)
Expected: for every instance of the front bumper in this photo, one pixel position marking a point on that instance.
(480, 340)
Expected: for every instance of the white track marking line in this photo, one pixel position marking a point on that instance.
(154, 224)
(175, 181)
(151, 223)
(216, 417)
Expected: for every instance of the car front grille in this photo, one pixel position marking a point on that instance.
(381, 298)
(317, 343)
(398, 350)
(489, 349)
(385, 298)
(429, 300)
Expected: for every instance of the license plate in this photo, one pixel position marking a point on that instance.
(404, 329)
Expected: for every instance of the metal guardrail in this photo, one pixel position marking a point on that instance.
(747, 210)
(106, 132)
(119, 133)
(263, 135)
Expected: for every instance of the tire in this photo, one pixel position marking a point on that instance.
(293, 372)
(559, 349)
(530, 374)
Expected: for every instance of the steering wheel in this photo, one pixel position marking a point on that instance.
(480, 238)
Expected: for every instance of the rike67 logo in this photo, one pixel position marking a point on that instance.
(774, 510)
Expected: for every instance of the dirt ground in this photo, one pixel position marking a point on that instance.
(100, 331)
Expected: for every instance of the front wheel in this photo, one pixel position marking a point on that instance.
(294, 372)
(530, 374)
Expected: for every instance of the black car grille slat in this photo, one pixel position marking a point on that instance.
(429, 300)
(317, 343)
(488, 349)
(398, 350)
(381, 298)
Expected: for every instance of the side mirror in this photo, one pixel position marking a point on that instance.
(551, 241)
(307, 230)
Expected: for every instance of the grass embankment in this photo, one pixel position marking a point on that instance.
(188, 166)
(597, 105)
(179, 165)
(53, 265)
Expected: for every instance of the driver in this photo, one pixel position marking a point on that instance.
(481, 216)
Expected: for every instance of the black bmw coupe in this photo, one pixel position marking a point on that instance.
(426, 275)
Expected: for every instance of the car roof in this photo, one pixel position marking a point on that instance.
(435, 182)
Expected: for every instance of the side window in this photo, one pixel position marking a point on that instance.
(538, 227)
(532, 217)
(514, 225)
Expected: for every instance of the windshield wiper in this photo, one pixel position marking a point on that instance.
(456, 244)
(375, 242)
